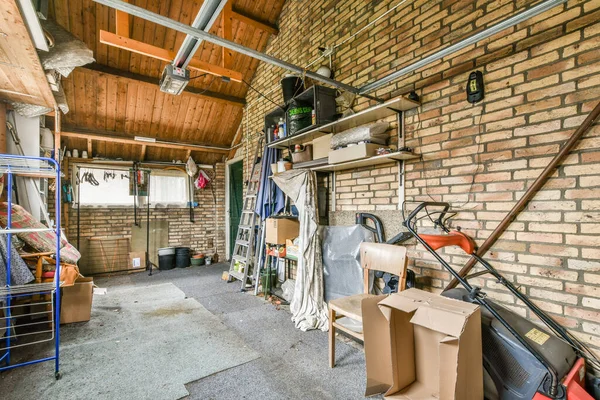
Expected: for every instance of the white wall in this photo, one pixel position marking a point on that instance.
(28, 130)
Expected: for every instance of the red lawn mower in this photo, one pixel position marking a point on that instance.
(521, 360)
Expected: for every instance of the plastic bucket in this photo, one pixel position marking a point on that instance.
(182, 257)
(291, 86)
(166, 262)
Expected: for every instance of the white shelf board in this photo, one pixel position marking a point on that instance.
(372, 114)
(368, 162)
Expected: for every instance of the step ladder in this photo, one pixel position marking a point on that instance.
(242, 259)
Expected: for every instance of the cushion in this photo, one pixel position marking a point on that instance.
(40, 241)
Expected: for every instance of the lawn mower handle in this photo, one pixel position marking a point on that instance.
(426, 204)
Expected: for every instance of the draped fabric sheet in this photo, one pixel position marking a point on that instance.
(308, 307)
(269, 199)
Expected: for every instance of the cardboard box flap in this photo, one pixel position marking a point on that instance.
(378, 347)
(443, 321)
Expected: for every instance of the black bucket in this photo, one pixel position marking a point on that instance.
(166, 262)
(182, 257)
(291, 86)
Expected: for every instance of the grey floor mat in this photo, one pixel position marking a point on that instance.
(143, 342)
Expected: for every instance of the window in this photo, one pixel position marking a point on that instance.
(109, 186)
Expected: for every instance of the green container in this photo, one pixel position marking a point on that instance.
(272, 282)
(197, 261)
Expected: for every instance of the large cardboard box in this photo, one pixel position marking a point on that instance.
(76, 301)
(351, 153)
(321, 146)
(280, 229)
(137, 260)
(419, 345)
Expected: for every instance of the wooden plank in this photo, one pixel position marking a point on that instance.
(23, 78)
(122, 22)
(111, 137)
(226, 17)
(236, 140)
(147, 80)
(89, 148)
(162, 54)
(143, 153)
(250, 20)
(2, 128)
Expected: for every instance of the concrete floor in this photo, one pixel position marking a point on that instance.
(293, 364)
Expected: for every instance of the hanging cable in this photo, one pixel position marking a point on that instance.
(262, 95)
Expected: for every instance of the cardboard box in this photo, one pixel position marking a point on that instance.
(321, 146)
(419, 345)
(351, 153)
(76, 301)
(137, 260)
(280, 229)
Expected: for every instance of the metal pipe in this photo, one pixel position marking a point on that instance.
(200, 34)
(207, 15)
(515, 19)
(535, 187)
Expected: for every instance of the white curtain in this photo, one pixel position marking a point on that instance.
(308, 307)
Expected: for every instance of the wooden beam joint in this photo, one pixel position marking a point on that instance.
(250, 20)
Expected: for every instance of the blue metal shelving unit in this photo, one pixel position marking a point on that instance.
(32, 332)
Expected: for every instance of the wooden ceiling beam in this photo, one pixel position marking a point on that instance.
(111, 137)
(148, 50)
(227, 34)
(250, 20)
(150, 81)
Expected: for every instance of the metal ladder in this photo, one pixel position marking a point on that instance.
(242, 259)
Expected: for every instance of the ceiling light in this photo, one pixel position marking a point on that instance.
(144, 139)
(174, 79)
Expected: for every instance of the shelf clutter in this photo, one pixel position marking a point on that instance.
(312, 146)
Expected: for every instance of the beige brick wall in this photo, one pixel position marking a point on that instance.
(206, 234)
(542, 79)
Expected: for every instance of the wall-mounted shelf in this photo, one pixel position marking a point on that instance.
(372, 114)
(368, 162)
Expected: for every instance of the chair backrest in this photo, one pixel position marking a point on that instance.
(384, 257)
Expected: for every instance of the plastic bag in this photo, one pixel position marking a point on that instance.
(191, 167)
(202, 181)
(299, 116)
(373, 133)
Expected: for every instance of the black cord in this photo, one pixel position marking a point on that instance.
(250, 86)
(198, 76)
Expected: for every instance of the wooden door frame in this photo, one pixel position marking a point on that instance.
(227, 203)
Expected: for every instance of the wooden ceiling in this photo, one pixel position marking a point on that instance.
(119, 94)
(22, 78)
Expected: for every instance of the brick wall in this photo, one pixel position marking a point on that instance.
(206, 234)
(542, 79)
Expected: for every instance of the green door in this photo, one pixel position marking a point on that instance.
(236, 190)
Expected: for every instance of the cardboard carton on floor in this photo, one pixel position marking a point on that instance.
(76, 301)
(137, 259)
(280, 229)
(419, 345)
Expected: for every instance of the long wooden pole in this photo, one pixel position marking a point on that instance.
(533, 189)
(3, 128)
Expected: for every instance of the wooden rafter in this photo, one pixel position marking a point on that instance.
(250, 20)
(236, 140)
(150, 81)
(227, 34)
(124, 139)
(145, 49)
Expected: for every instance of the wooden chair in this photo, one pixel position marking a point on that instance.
(373, 256)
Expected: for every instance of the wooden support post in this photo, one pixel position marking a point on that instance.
(188, 154)
(89, 148)
(226, 17)
(2, 128)
(122, 23)
(143, 153)
(57, 130)
(533, 189)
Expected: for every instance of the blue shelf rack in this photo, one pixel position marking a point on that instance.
(34, 332)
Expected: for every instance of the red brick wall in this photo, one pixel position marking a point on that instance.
(542, 78)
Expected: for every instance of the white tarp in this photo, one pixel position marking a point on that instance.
(308, 307)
